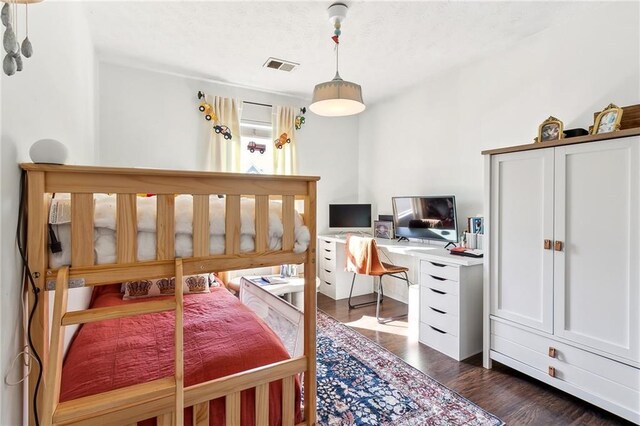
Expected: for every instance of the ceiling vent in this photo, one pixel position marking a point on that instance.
(280, 64)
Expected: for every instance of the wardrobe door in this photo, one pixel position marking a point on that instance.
(597, 215)
(521, 268)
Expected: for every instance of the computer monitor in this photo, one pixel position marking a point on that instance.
(350, 216)
(431, 218)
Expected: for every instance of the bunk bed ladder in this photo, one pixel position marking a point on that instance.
(56, 412)
(53, 374)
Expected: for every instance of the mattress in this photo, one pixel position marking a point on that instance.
(105, 228)
(221, 337)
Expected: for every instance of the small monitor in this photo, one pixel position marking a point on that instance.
(350, 215)
(431, 218)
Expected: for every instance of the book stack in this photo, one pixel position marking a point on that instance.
(474, 237)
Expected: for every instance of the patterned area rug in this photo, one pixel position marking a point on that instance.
(361, 383)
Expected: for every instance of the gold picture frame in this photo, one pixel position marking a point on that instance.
(550, 129)
(608, 120)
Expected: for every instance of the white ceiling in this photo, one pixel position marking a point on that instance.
(385, 46)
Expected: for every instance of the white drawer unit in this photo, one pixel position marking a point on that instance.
(451, 307)
(334, 281)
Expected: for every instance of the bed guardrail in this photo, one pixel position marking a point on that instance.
(164, 398)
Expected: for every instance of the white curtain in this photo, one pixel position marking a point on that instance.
(224, 154)
(285, 159)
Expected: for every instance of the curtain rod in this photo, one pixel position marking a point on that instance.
(201, 95)
(257, 103)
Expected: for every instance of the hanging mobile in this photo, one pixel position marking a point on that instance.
(27, 48)
(9, 65)
(300, 118)
(16, 54)
(283, 139)
(6, 14)
(207, 109)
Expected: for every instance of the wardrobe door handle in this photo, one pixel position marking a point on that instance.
(547, 244)
(558, 246)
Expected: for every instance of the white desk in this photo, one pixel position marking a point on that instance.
(413, 249)
(450, 302)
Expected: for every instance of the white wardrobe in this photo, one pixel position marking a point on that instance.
(562, 280)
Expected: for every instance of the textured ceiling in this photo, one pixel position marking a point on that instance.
(385, 46)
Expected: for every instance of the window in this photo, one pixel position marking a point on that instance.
(256, 146)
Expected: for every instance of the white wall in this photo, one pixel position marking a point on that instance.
(150, 119)
(428, 139)
(51, 98)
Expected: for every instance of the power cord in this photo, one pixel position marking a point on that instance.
(25, 353)
(28, 356)
(21, 241)
(54, 244)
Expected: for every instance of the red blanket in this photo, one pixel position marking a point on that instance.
(221, 337)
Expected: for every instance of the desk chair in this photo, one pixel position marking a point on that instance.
(362, 259)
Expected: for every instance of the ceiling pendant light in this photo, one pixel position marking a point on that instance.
(337, 98)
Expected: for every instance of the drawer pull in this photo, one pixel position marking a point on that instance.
(437, 291)
(552, 371)
(326, 270)
(327, 258)
(437, 310)
(438, 330)
(437, 278)
(552, 352)
(439, 265)
(327, 283)
(327, 250)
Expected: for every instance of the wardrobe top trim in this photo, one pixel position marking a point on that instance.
(569, 141)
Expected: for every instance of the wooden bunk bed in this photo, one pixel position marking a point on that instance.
(163, 399)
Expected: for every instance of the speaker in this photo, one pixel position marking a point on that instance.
(49, 151)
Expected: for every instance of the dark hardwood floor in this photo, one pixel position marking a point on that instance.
(514, 397)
